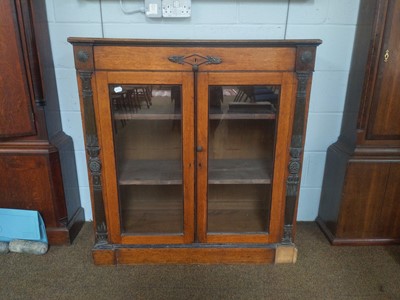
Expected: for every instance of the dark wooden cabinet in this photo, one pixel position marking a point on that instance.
(359, 200)
(194, 147)
(34, 151)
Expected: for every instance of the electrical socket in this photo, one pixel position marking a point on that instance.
(176, 8)
(153, 8)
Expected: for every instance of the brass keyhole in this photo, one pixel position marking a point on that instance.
(386, 56)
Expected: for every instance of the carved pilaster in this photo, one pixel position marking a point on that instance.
(287, 234)
(101, 233)
(94, 163)
(295, 152)
(93, 153)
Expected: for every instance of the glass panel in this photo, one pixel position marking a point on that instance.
(242, 121)
(148, 147)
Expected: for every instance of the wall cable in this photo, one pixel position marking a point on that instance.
(129, 12)
(101, 19)
(287, 19)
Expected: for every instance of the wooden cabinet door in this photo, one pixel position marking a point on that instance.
(371, 190)
(242, 137)
(363, 195)
(149, 168)
(16, 114)
(385, 109)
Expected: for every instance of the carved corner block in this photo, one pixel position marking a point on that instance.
(84, 59)
(305, 58)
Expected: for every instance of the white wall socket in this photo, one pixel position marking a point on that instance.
(176, 8)
(153, 8)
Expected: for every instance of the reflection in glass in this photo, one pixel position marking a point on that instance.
(148, 148)
(242, 124)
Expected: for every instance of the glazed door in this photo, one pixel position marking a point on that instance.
(242, 119)
(152, 157)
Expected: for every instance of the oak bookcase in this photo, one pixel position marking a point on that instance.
(194, 147)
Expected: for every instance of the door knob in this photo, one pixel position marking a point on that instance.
(199, 148)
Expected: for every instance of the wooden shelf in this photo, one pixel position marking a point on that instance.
(237, 221)
(238, 171)
(146, 116)
(147, 209)
(159, 210)
(161, 221)
(169, 172)
(227, 116)
(152, 221)
(242, 116)
(242, 111)
(151, 172)
(238, 208)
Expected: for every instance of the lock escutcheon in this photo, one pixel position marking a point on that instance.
(386, 56)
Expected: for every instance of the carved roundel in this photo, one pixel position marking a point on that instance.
(94, 166)
(306, 57)
(294, 167)
(82, 56)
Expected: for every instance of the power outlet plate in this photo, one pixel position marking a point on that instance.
(176, 8)
(153, 8)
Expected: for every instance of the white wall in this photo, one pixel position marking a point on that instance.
(333, 21)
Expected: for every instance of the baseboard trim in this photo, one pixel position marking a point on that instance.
(338, 241)
(64, 235)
